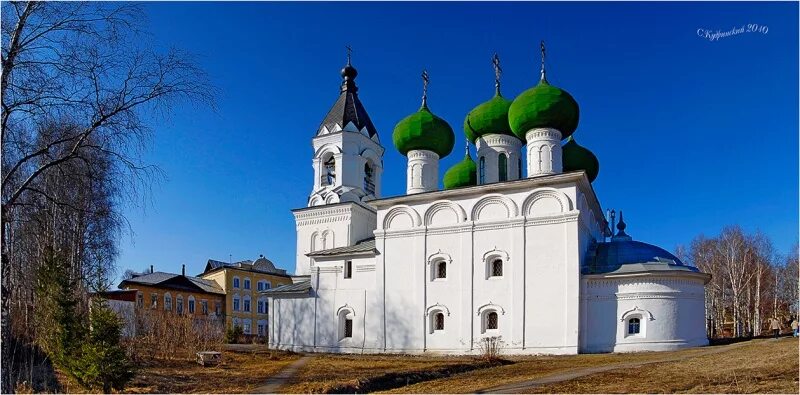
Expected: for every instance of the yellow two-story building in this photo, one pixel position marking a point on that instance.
(242, 283)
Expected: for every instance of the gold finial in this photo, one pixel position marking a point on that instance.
(497, 72)
(425, 81)
(349, 52)
(543, 77)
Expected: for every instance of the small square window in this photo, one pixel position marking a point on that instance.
(491, 320)
(348, 269)
(348, 327)
(439, 322)
(497, 268)
(441, 270)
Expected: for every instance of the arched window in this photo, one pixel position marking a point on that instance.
(491, 321)
(441, 269)
(502, 167)
(633, 326)
(236, 302)
(346, 324)
(246, 283)
(167, 302)
(236, 322)
(246, 303)
(191, 304)
(496, 268)
(369, 178)
(179, 304)
(329, 171)
(438, 322)
(482, 171)
(262, 305)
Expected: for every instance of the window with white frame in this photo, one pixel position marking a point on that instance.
(218, 308)
(262, 305)
(261, 329)
(153, 300)
(179, 304)
(204, 306)
(262, 285)
(246, 283)
(246, 303)
(490, 321)
(139, 300)
(246, 327)
(634, 326)
(167, 302)
(236, 302)
(346, 324)
(236, 282)
(191, 304)
(236, 322)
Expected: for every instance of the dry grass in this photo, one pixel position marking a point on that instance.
(757, 366)
(760, 366)
(238, 373)
(326, 371)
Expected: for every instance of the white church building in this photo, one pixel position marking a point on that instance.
(523, 254)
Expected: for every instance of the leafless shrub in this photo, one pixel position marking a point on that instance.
(490, 348)
(166, 335)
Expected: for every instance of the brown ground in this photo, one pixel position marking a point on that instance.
(238, 373)
(326, 371)
(758, 366)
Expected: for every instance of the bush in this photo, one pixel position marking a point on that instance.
(103, 362)
(233, 334)
(490, 348)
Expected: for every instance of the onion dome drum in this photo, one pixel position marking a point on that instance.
(490, 117)
(543, 106)
(462, 174)
(575, 157)
(423, 130)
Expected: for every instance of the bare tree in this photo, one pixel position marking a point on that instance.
(79, 89)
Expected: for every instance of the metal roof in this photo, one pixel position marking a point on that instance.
(348, 108)
(629, 256)
(361, 247)
(157, 278)
(301, 287)
(261, 265)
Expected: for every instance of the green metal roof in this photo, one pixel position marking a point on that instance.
(543, 106)
(462, 174)
(490, 117)
(423, 130)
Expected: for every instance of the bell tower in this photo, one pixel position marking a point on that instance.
(348, 156)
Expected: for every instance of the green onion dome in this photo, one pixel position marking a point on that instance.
(462, 174)
(423, 130)
(543, 106)
(574, 157)
(490, 117)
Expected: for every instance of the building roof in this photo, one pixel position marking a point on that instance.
(174, 281)
(366, 246)
(260, 265)
(297, 288)
(347, 109)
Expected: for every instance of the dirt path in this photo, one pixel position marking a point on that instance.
(275, 382)
(581, 372)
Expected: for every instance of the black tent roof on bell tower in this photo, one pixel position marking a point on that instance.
(348, 108)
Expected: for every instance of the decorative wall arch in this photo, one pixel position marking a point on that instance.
(372, 156)
(496, 253)
(495, 199)
(561, 200)
(637, 311)
(330, 147)
(316, 201)
(437, 307)
(327, 239)
(332, 199)
(439, 256)
(442, 207)
(398, 212)
(490, 306)
(346, 309)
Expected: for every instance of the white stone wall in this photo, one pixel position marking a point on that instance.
(330, 226)
(422, 172)
(544, 151)
(670, 309)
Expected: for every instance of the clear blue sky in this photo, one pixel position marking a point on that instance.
(691, 134)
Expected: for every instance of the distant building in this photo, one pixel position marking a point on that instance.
(242, 282)
(177, 293)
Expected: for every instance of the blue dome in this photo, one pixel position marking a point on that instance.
(632, 256)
